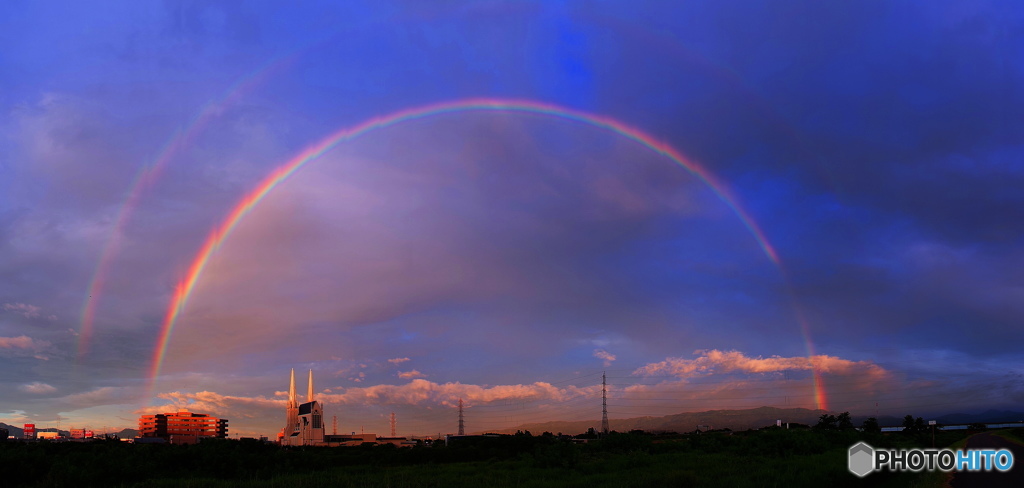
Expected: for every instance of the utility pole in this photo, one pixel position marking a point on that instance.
(462, 425)
(394, 423)
(604, 403)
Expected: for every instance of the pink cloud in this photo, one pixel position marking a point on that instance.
(604, 355)
(715, 361)
(216, 404)
(398, 360)
(20, 342)
(35, 347)
(410, 374)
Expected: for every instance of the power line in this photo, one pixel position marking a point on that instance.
(604, 404)
(462, 425)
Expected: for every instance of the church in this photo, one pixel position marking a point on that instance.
(304, 424)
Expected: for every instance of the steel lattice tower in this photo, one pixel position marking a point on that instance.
(604, 403)
(394, 424)
(462, 425)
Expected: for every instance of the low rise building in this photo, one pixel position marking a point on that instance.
(182, 427)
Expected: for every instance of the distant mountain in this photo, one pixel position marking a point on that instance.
(18, 432)
(742, 420)
(126, 433)
(12, 430)
(683, 422)
(988, 416)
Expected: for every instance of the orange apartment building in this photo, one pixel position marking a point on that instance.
(182, 427)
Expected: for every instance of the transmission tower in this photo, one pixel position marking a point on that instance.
(394, 423)
(335, 426)
(604, 403)
(462, 425)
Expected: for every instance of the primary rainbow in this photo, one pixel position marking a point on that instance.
(218, 235)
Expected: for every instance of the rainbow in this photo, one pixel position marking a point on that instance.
(250, 200)
(818, 385)
(148, 175)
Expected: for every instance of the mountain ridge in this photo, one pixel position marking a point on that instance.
(753, 418)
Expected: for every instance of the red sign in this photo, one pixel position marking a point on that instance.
(88, 434)
(30, 431)
(78, 433)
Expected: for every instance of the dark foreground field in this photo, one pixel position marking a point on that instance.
(757, 458)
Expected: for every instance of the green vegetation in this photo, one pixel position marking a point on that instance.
(1013, 435)
(767, 457)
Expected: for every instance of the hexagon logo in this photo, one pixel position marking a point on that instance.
(862, 459)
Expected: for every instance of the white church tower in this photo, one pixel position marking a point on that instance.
(291, 423)
(305, 422)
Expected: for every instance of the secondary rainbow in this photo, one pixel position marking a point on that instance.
(148, 175)
(219, 234)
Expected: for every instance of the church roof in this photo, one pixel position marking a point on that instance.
(306, 408)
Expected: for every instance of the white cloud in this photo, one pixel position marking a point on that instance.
(37, 388)
(25, 309)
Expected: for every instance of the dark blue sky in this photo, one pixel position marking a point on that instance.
(877, 145)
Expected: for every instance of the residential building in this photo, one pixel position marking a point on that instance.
(182, 427)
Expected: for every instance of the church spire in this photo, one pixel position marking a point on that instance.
(291, 391)
(309, 393)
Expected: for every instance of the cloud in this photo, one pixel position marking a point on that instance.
(104, 395)
(14, 417)
(23, 342)
(398, 360)
(76, 145)
(419, 391)
(37, 388)
(715, 361)
(410, 374)
(20, 342)
(216, 404)
(358, 378)
(605, 355)
(27, 310)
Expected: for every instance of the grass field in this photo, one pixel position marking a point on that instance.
(765, 458)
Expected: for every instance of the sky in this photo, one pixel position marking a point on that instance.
(720, 205)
